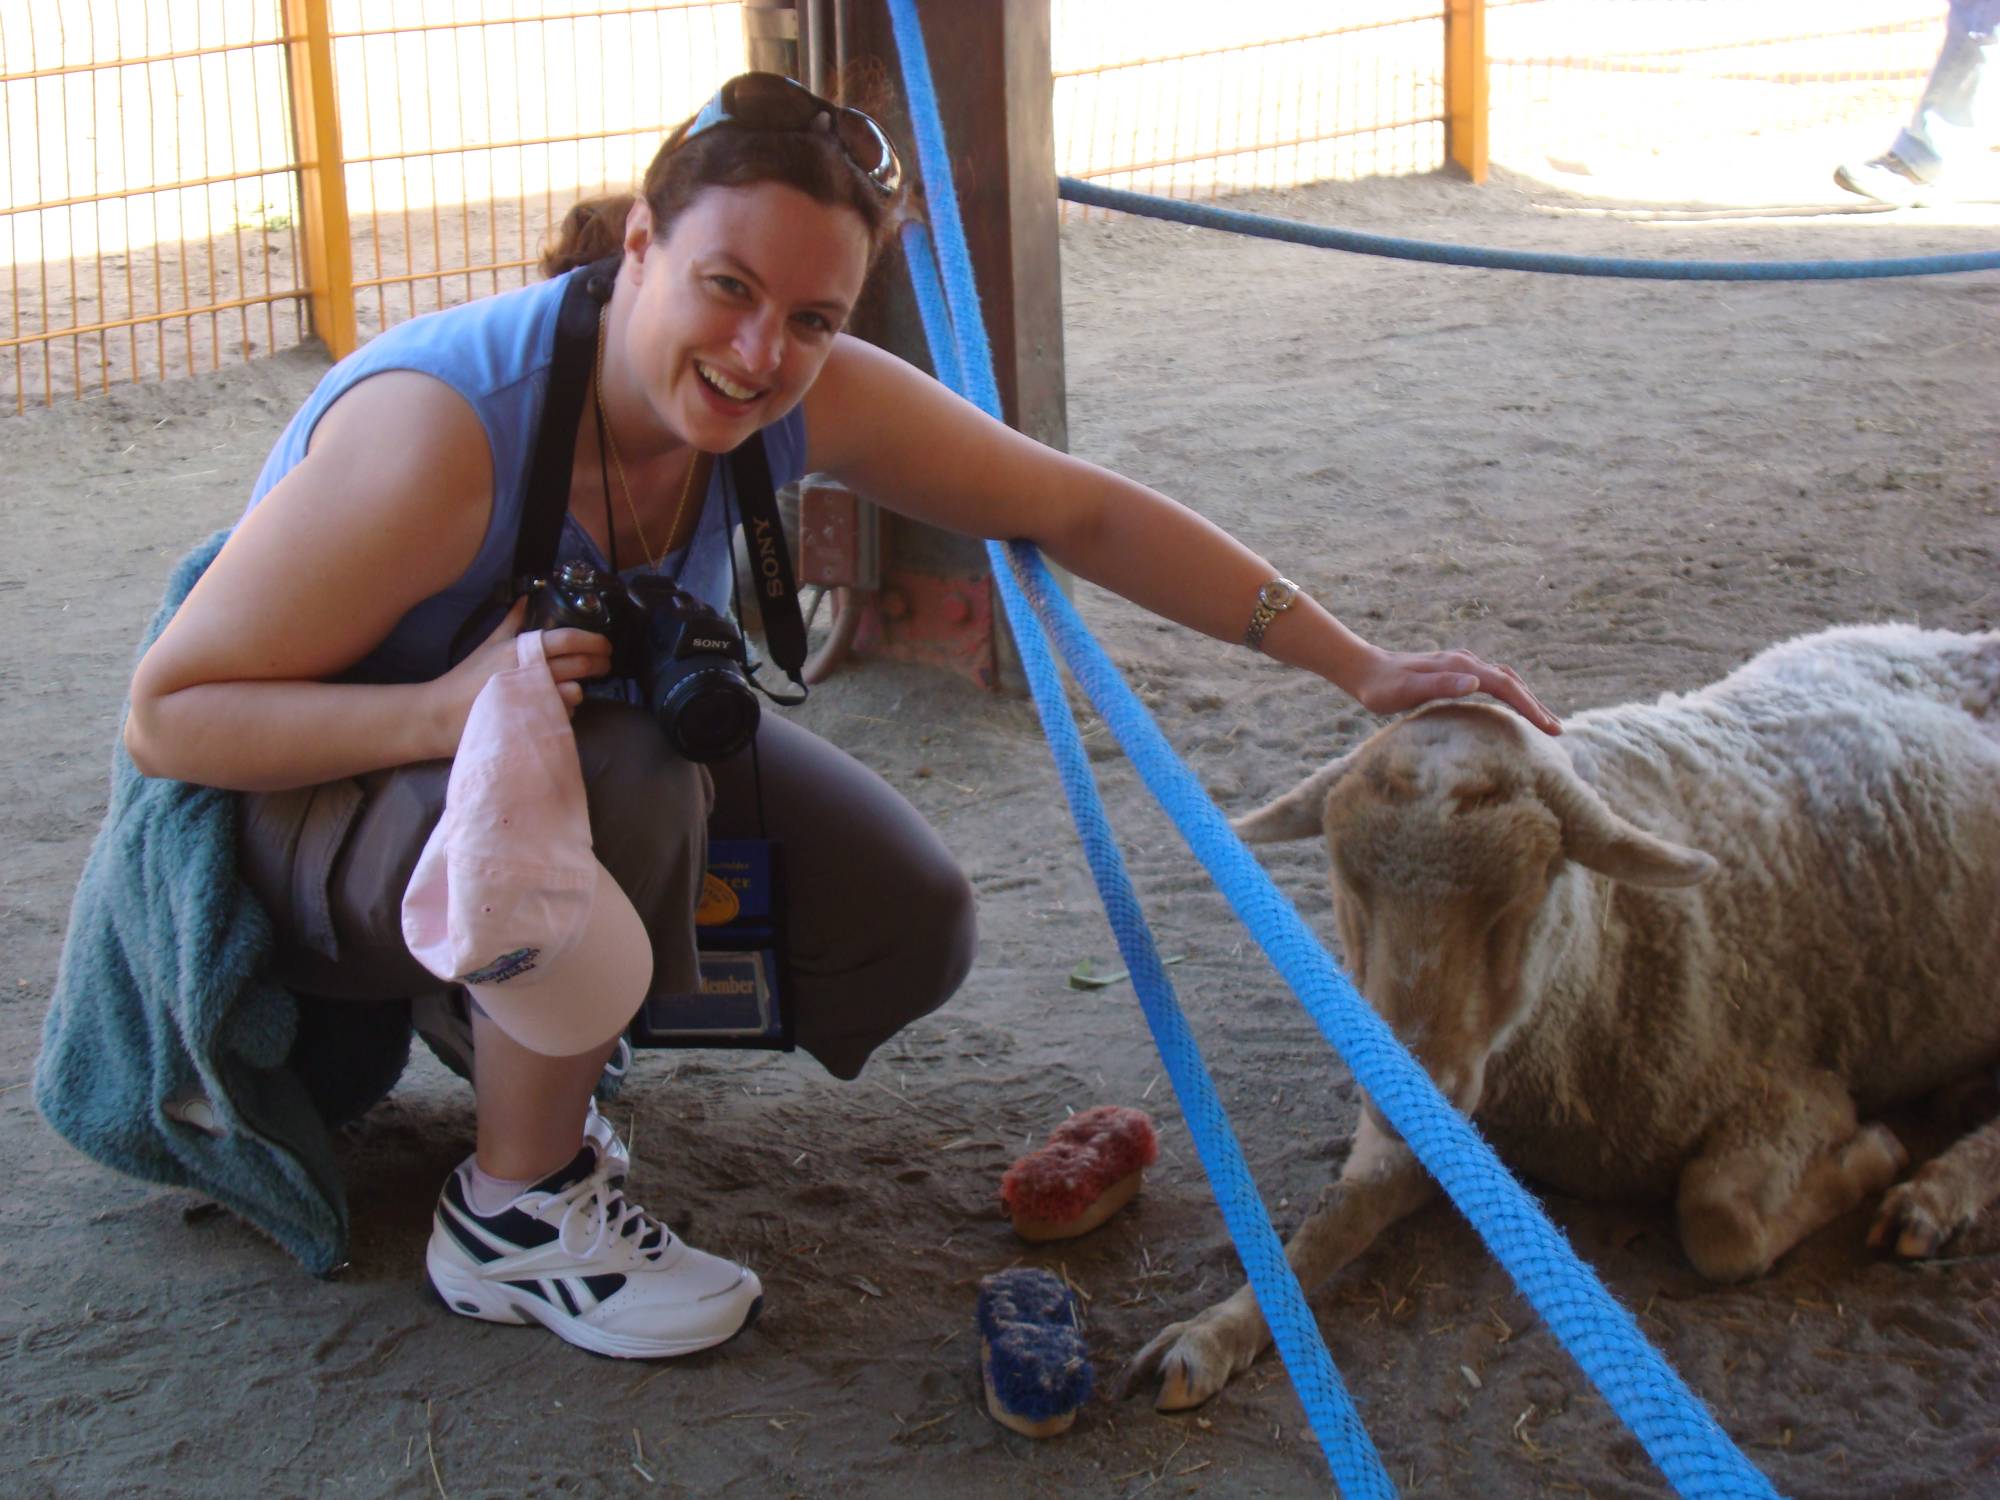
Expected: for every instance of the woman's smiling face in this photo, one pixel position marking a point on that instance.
(737, 308)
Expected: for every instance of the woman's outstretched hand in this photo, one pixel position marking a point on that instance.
(1397, 680)
(573, 656)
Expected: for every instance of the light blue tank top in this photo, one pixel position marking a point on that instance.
(496, 353)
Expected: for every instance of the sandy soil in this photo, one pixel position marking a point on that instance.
(1619, 487)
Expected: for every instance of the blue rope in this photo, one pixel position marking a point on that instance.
(938, 332)
(1264, 226)
(1343, 1437)
(1690, 1448)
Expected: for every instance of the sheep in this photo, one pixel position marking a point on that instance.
(1684, 951)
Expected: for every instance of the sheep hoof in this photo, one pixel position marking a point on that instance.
(1917, 1217)
(1187, 1360)
(1181, 1388)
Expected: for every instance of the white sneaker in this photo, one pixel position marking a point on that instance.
(1888, 179)
(610, 1150)
(573, 1255)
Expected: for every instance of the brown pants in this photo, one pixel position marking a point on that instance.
(879, 917)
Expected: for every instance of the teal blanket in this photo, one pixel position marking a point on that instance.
(159, 997)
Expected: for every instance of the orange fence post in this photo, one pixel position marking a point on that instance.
(328, 255)
(1465, 86)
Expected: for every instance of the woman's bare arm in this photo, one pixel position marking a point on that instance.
(388, 507)
(900, 438)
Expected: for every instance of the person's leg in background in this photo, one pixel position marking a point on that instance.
(1953, 122)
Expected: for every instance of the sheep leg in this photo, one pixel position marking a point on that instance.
(1788, 1165)
(1947, 1193)
(1380, 1183)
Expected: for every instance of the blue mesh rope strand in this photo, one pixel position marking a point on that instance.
(1676, 1429)
(1350, 1451)
(938, 333)
(1324, 237)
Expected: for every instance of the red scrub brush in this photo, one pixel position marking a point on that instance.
(1089, 1169)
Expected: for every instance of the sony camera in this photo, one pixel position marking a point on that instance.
(687, 660)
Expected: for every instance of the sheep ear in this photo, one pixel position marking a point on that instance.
(1299, 813)
(1598, 839)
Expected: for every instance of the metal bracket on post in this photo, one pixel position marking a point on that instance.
(939, 620)
(919, 610)
(839, 537)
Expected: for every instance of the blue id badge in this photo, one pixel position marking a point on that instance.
(739, 927)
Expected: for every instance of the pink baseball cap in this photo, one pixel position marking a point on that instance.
(507, 898)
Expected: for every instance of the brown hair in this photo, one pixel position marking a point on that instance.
(724, 156)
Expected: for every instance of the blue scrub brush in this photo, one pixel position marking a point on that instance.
(1031, 1352)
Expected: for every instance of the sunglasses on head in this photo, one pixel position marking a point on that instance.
(771, 101)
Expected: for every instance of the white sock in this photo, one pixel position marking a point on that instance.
(489, 1194)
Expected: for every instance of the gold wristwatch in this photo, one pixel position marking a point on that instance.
(1273, 599)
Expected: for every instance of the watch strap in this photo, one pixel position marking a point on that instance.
(1273, 599)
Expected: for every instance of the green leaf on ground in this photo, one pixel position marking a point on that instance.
(1085, 976)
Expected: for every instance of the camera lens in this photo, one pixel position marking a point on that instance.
(708, 713)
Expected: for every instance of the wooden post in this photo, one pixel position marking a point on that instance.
(329, 256)
(1465, 86)
(992, 68)
(995, 83)
(771, 36)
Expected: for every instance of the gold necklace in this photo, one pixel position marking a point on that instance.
(618, 465)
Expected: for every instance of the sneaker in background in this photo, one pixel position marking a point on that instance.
(573, 1254)
(1888, 179)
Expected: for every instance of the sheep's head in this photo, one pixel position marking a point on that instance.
(1446, 831)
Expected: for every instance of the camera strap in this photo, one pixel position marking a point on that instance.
(547, 498)
(555, 443)
(770, 559)
(549, 472)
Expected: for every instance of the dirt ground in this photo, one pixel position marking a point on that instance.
(1620, 487)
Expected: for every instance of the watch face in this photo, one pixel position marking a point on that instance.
(1277, 593)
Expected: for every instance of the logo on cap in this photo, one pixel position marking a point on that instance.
(507, 966)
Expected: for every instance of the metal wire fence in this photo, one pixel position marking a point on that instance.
(149, 203)
(465, 139)
(1200, 100)
(153, 220)
(1572, 81)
